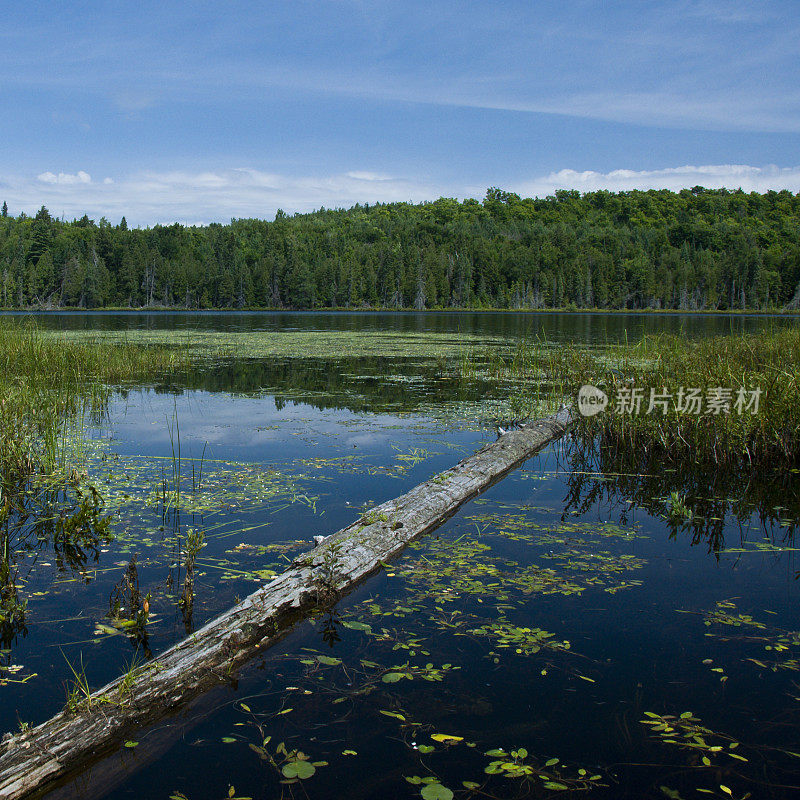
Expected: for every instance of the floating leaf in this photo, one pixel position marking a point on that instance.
(435, 791)
(298, 769)
(358, 626)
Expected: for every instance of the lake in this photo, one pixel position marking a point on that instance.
(560, 635)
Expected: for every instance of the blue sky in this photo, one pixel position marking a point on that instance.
(205, 111)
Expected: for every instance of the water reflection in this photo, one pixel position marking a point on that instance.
(588, 328)
(461, 630)
(599, 474)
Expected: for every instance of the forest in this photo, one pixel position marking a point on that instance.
(697, 249)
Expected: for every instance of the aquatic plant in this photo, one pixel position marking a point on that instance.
(768, 361)
(686, 732)
(51, 383)
(677, 509)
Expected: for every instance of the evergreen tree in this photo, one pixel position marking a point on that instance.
(709, 249)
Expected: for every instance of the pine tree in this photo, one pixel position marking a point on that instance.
(42, 231)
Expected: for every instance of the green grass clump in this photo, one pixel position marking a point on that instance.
(769, 361)
(49, 383)
(42, 359)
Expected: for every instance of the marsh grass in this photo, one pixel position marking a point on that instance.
(769, 361)
(51, 385)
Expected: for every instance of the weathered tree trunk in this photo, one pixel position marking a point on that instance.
(68, 742)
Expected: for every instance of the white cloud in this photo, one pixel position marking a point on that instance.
(196, 197)
(368, 176)
(715, 176)
(65, 177)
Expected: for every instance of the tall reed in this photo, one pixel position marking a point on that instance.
(49, 385)
(768, 361)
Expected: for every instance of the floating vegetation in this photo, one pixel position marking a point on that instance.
(431, 788)
(298, 344)
(523, 641)
(779, 650)
(686, 733)
(760, 547)
(514, 765)
(340, 680)
(522, 526)
(290, 765)
(356, 465)
(722, 615)
(449, 570)
(10, 673)
(134, 482)
(293, 765)
(552, 773)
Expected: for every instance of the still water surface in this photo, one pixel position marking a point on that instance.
(553, 326)
(556, 614)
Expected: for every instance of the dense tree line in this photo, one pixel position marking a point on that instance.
(696, 249)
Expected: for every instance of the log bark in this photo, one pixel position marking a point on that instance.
(34, 761)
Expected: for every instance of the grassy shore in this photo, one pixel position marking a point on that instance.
(768, 362)
(571, 309)
(52, 380)
(49, 383)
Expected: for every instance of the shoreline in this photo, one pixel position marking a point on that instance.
(384, 310)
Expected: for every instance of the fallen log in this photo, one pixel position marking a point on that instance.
(33, 761)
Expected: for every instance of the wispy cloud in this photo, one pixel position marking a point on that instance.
(715, 176)
(204, 196)
(689, 63)
(194, 197)
(65, 178)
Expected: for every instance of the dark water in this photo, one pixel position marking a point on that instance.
(465, 636)
(553, 326)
